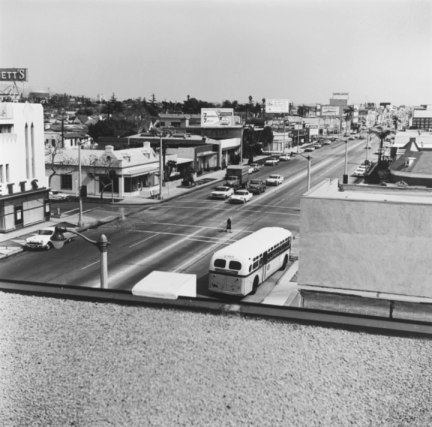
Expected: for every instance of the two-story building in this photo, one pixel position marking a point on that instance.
(23, 186)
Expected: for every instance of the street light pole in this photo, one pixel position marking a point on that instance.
(309, 159)
(345, 177)
(58, 241)
(161, 171)
(80, 216)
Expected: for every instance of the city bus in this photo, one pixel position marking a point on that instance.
(239, 268)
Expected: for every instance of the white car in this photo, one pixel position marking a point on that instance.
(58, 196)
(241, 196)
(42, 240)
(274, 180)
(255, 167)
(222, 192)
(309, 149)
(272, 161)
(285, 157)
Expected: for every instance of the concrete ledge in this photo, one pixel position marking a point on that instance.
(412, 311)
(345, 303)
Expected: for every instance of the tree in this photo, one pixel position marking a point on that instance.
(382, 134)
(348, 115)
(104, 173)
(56, 159)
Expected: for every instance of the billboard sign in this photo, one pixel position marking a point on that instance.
(277, 106)
(13, 74)
(212, 117)
(330, 110)
(341, 95)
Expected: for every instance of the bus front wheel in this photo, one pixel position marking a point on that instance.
(285, 263)
(255, 285)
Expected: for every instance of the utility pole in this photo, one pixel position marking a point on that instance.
(161, 169)
(80, 218)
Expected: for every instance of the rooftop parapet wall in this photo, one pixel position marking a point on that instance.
(370, 243)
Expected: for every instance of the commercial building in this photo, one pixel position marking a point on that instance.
(23, 186)
(366, 240)
(422, 119)
(105, 172)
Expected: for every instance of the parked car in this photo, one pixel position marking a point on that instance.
(42, 240)
(285, 157)
(309, 149)
(274, 180)
(59, 196)
(222, 192)
(317, 145)
(241, 196)
(326, 142)
(256, 186)
(272, 161)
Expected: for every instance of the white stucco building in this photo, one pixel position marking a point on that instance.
(23, 185)
(105, 173)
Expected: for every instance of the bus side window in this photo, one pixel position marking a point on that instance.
(265, 258)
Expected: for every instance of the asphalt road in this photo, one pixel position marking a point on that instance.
(180, 235)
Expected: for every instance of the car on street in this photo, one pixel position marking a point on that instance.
(222, 192)
(309, 149)
(284, 157)
(272, 161)
(326, 142)
(317, 145)
(241, 196)
(274, 180)
(255, 167)
(59, 196)
(42, 240)
(256, 186)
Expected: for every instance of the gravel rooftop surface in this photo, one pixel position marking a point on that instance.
(76, 363)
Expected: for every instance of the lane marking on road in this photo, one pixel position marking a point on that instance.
(90, 265)
(187, 225)
(143, 240)
(206, 239)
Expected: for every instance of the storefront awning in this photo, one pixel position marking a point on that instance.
(181, 161)
(140, 170)
(206, 153)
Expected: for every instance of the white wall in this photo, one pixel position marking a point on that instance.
(13, 145)
(367, 245)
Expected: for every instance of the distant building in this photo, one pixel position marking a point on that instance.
(422, 119)
(23, 187)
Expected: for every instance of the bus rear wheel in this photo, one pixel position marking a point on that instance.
(285, 263)
(255, 285)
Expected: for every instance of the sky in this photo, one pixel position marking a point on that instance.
(216, 50)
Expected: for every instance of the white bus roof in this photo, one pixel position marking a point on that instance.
(254, 244)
